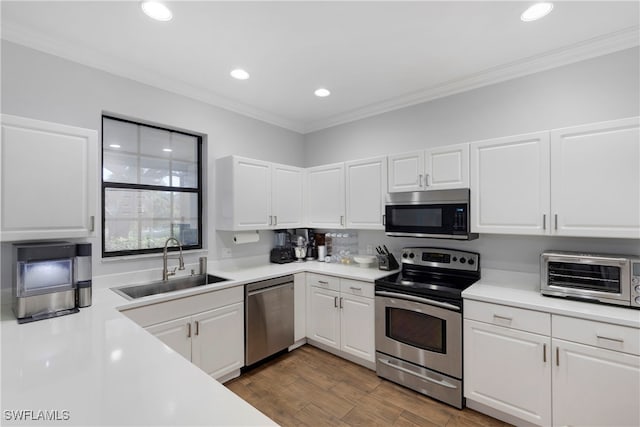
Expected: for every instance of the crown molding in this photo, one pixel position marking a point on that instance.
(609, 43)
(89, 57)
(599, 46)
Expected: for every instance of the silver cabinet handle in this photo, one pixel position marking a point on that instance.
(353, 288)
(498, 317)
(341, 219)
(322, 282)
(544, 353)
(544, 221)
(335, 302)
(341, 302)
(557, 356)
(415, 374)
(92, 223)
(197, 327)
(420, 180)
(384, 219)
(189, 330)
(270, 220)
(426, 180)
(556, 221)
(618, 340)
(275, 220)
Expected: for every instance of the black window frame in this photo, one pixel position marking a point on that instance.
(106, 185)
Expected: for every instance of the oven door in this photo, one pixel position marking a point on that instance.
(418, 330)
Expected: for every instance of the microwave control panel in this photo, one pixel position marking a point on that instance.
(635, 283)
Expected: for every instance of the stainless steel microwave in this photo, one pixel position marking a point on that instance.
(609, 279)
(440, 214)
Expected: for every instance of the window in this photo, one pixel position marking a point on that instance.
(151, 188)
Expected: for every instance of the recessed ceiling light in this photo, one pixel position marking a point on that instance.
(322, 92)
(114, 146)
(536, 11)
(239, 74)
(167, 150)
(156, 10)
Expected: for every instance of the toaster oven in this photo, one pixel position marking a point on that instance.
(608, 279)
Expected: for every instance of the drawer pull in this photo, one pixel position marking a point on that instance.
(557, 356)
(544, 353)
(498, 317)
(322, 282)
(353, 288)
(618, 340)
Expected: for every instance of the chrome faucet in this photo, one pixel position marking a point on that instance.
(165, 270)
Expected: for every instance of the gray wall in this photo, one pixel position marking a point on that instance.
(46, 87)
(599, 89)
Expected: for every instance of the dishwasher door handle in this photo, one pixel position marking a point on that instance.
(271, 288)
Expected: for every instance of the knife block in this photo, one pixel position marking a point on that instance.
(387, 262)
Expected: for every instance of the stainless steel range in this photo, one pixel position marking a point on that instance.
(419, 321)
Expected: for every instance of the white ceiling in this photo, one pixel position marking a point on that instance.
(374, 56)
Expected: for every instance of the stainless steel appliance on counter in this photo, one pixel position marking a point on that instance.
(441, 214)
(418, 321)
(268, 318)
(50, 279)
(283, 252)
(608, 279)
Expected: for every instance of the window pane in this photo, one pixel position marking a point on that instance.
(119, 136)
(154, 171)
(119, 167)
(144, 219)
(185, 147)
(153, 142)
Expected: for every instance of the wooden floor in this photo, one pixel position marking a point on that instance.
(310, 387)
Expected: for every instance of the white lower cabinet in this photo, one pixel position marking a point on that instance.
(299, 306)
(212, 339)
(505, 368)
(579, 372)
(340, 315)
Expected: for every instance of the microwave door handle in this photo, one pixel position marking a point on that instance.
(417, 299)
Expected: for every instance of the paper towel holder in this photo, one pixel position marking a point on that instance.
(246, 237)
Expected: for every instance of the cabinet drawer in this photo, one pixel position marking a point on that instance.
(510, 317)
(322, 281)
(604, 335)
(356, 287)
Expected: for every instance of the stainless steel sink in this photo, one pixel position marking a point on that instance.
(160, 287)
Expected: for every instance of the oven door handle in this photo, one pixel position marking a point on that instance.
(417, 299)
(415, 374)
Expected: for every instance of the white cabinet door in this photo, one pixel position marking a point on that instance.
(406, 172)
(325, 201)
(357, 333)
(508, 370)
(218, 340)
(595, 179)
(286, 200)
(299, 306)
(593, 386)
(323, 321)
(48, 178)
(252, 194)
(366, 189)
(510, 185)
(447, 167)
(176, 334)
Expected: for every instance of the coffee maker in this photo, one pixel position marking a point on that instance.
(283, 251)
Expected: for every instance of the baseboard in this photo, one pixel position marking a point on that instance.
(228, 377)
(507, 418)
(357, 360)
(297, 344)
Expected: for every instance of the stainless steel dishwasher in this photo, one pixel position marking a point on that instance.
(268, 318)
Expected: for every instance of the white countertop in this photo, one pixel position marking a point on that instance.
(105, 370)
(523, 290)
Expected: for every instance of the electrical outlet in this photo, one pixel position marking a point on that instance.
(226, 253)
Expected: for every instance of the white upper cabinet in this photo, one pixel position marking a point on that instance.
(438, 168)
(595, 179)
(286, 200)
(510, 184)
(326, 191)
(366, 189)
(406, 172)
(48, 180)
(257, 195)
(244, 193)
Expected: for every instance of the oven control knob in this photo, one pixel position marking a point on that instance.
(638, 300)
(463, 260)
(638, 289)
(455, 258)
(412, 255)
(636, 280)
(471, 261)
(404, 255)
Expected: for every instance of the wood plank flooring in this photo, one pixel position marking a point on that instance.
(310, 387)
